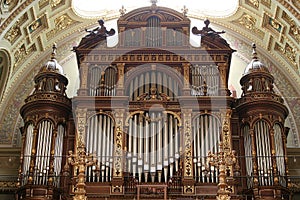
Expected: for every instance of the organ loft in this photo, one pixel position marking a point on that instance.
(154, 119)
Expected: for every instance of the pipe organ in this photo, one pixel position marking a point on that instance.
(47, 122)
(149, 113)
(263, 132)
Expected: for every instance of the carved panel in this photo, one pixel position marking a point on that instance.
(56, 3)
(22, 54)
(288, 52)
(81, 124)
(253, 3)
(15, 32)
(272, 24)
(248, 22)
(43, 3)
(8, 5)
(188, 162)
(294, 30)
(266, 3)
(60, 24)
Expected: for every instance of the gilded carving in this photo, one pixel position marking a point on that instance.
(226, 132)
(253, 3)
(14, 33)
(248, 22)
(22, 53)
(266, 3)
(37, 24)
(295, 32)
(118, 152)
(60, 23)
(275, 25)
(43, 3)
(8, 185)
(9, 4)
(55, 3)
(118, 144)
(81, 124)
(188, 162)
(288, 52)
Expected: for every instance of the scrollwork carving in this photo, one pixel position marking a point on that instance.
(61, 23)
(81, 123)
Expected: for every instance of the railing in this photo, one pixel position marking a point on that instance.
(174, 183)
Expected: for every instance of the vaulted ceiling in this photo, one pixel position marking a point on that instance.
(29, 28)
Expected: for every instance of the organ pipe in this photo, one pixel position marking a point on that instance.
(154, 140)
(45, 129)
(206, 138)
(248, 154)
(161, 81)
(205, 74)
(27, 152)
(265, 170)
(103, 82)
(279, 154)
(58, 151)
(99, 141)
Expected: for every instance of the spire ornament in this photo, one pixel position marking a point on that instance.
(54, 48)
(184, 10)
(254, 53)
(122, 11)
(154, 2)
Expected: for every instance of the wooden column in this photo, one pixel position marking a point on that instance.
(223, 90)
(186, 91)
(83, 90)
(120, 83)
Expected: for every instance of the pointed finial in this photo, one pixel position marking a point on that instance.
(254, 54)
(122, 10)
(184, 10)
(153, 2)
(53, 51)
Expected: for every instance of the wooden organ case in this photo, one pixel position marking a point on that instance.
(153, 107)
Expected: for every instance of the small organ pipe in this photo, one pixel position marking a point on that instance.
(160, 138)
